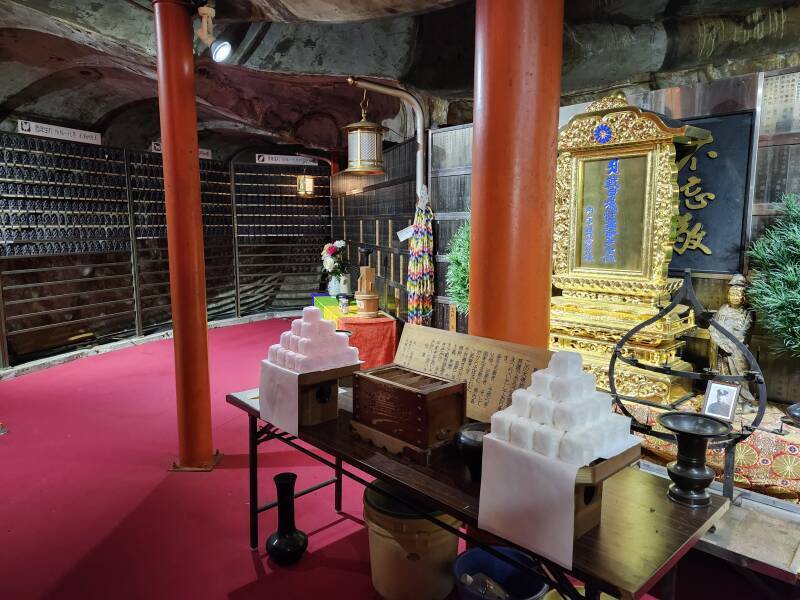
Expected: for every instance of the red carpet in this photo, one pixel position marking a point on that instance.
(88, 509)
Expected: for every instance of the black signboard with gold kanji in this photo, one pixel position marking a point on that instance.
(713, 197)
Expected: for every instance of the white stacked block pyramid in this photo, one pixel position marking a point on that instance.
(562, 415)
(312, 344)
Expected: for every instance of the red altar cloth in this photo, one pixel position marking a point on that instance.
(376, 339)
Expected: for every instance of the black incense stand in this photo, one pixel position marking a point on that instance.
(690, 474)
(288, 544)
(704, 319)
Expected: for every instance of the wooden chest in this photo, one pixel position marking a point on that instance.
(407, 411)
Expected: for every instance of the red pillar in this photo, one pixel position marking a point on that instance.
(517, 95)
(176, 102)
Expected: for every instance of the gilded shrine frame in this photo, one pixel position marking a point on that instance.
(611, 128)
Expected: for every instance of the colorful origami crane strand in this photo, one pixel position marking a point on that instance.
(420, 265)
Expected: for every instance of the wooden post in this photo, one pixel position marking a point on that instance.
(176, 102)
(517, 94)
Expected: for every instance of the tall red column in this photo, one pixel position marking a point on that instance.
(517, 95)
(176, 102)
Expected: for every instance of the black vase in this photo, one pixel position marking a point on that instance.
(690, 474)
(288, 544)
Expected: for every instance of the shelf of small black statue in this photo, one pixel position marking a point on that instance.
(288, 543)
(694, 432)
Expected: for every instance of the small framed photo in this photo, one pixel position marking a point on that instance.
(721, 399)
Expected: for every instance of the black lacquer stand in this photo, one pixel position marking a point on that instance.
(703, 319)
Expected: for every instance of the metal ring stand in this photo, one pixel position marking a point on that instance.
(703, 319)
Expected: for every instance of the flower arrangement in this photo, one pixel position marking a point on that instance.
(333, 256)
(775, 288)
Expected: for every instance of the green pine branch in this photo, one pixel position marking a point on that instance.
(775, 289)
(458, 269)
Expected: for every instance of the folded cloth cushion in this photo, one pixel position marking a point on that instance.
(574, 415)
(281, 356)
(542, 410)
(540, 383)
(568, 389)
(293, 339)
(311, 314)
(521, 401)
(501, 423)
(286, 337)
(522, 433)
(547, 440)
(290, 359)
(618, 426)
(589, 384)
(297, 326)
(578, 448)
(602, 400)
(565, 364)
(272, 354)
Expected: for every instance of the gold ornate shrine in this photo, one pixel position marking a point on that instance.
(614, 226)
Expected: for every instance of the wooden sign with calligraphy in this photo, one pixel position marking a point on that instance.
(492, 368)
(714, 183)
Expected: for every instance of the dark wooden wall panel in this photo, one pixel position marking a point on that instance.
(280, 235)
(152, 258)
(368, 211)
(83, 248)
(450, 183)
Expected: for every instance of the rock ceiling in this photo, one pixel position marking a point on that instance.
(91, 64)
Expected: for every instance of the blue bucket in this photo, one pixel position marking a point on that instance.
(521, 585)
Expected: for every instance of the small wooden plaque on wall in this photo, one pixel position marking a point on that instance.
(492, 368)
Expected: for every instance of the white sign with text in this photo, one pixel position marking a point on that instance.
(282, 159)
(57, 132)
(202, 152)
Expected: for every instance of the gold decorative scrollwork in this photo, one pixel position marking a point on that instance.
(601, 302)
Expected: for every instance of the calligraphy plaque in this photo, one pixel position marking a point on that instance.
(714, 183)
(611, 212)
(492, 369)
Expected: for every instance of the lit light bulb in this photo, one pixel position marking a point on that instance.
(221, 50)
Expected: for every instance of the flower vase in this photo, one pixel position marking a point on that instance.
(338, 284)
(288, 544)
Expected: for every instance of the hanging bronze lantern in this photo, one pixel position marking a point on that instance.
(365, 145)
(305, 185)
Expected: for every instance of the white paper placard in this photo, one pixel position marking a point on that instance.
(278, 397)
(528, 499)
(405, 233)
(283, 159)
(58, 133)
(204, 153)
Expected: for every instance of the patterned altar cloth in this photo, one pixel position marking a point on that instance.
(766, 462)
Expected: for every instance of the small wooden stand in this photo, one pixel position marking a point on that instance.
(366, 298)
(319, 394)
(589, 488)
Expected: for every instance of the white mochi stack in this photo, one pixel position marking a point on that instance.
(562, 415)
(313, 344)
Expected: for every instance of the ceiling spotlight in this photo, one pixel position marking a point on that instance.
(221, 50)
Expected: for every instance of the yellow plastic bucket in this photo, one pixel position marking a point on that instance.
(410, 557)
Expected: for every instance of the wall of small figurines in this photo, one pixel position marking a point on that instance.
(83, 244)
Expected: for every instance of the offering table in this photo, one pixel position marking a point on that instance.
(642, 535)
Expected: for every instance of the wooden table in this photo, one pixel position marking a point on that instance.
(641, 537)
